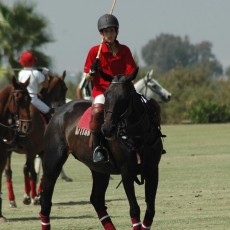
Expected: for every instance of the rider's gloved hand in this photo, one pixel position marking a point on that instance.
(94, 67)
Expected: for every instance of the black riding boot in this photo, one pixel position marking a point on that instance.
(99, 152)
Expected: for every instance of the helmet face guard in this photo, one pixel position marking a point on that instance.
(106, 21)
(27, 59)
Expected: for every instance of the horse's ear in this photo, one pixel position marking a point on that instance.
(14, 81)
(106, 76)
(133, 75)
(63, 75)
(151, 73)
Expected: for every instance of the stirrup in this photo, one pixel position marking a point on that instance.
(100, 154)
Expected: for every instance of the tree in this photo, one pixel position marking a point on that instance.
(206, 57)
(21, 28)
(167, 52)
(227, 71)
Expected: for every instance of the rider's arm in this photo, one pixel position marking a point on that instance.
(81, 86)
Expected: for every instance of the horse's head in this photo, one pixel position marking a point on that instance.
(150, 88)
(161, 94)
(117, 100)
(18, 105)
(55, 94)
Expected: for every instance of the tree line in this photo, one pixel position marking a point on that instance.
(191, 72)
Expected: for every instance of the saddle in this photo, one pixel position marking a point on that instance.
(82, 127)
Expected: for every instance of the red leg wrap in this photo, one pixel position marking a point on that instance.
(10, 189)
(45, 222)
(105, 220)
(33, 188)
(40, 187)
(136, 223)
(27, 185)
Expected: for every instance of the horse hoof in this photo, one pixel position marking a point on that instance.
(36, 200)
(27, 200)
(3, 219)
(13, 204)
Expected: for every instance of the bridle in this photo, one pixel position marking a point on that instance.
(122, 120)
(17, 125)
(146, 81)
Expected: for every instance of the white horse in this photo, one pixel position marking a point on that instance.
(150, 88)
(146, 86)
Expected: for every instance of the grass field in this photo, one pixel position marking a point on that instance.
(193, 193)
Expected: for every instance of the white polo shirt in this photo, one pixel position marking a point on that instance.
(36, 78)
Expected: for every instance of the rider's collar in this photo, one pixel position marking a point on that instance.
(105, 48)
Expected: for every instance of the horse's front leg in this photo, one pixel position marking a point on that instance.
(97, 199)
(128, 183)
(9, 182)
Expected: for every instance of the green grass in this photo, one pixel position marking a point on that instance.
(193, 193)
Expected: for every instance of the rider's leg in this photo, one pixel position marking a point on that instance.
(42, 107)
(95, 128)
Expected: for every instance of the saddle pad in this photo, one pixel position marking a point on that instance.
(83, 124)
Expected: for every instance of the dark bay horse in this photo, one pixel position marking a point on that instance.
(14, 119)
(33, 144)
(130, 133)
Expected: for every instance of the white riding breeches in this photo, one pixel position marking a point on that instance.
(100, 99)
(40, 105)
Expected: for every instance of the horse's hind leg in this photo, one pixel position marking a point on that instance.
(52, 162)
(97, 198)
(65, 177)
(9, 182)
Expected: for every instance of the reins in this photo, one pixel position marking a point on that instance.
(146, 85)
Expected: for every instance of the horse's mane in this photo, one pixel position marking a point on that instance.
(119, 78)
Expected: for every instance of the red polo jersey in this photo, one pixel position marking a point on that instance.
(121, 63)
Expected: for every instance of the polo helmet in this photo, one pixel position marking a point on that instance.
(27, 59)
(106, 21)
